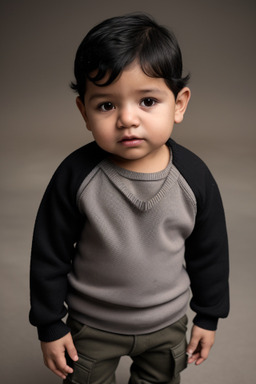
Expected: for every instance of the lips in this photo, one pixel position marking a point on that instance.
(131, 141)
(129, 138)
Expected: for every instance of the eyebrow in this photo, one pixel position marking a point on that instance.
(100, 96)
(152, 90)
(139, 91)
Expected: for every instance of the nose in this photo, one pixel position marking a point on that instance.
(127, 117)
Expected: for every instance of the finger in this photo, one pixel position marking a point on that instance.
(71, 350)
(192, 358)
(61, 365)
(59, 372)
(193, 346)
(204, 353)
(200, 361)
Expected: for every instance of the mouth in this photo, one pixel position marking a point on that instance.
(131, 141)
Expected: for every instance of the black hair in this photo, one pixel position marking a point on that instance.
(115, 43)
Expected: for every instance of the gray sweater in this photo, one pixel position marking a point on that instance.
(128, 274)
(138, 281)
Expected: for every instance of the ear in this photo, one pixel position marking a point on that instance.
(181, 102)
(81, 107)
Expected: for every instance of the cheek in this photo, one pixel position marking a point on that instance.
(164, 123)
(102, 136)
(92, 125)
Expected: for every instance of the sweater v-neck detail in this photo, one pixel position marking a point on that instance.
(117, 175)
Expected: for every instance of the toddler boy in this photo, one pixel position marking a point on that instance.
(130, 222)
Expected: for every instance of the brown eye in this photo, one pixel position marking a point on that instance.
(105, 107)
(148, 102)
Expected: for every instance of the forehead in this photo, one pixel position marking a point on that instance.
(131, 80)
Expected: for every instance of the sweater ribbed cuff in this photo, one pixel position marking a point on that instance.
(52, 332)
(206, 322)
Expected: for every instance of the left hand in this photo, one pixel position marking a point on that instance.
(201, 342)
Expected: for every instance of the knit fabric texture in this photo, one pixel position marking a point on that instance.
(128, 275)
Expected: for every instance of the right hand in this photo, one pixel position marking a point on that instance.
(54, 355)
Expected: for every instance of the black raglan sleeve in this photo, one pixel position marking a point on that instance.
(206, 249)
(57, 229)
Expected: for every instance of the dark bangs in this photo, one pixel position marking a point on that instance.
(160, 57)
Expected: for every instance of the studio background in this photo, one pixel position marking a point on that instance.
(40, 126)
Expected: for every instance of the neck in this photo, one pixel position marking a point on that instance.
(157, 162)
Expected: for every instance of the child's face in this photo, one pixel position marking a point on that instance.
(133, 117)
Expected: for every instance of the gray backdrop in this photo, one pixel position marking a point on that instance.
(40, 126)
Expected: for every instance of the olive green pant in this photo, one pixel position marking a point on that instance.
(157, 357)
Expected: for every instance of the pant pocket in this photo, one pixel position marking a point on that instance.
(77, 328)
(82, 370)
(179, 356)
